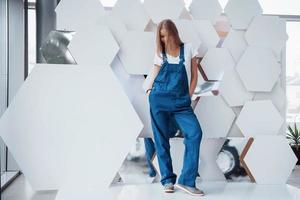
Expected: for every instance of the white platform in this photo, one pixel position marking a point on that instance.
(214, 191)
(21, 189)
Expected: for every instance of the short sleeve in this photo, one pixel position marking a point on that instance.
(157, 60)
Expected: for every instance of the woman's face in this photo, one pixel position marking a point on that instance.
(164, 35)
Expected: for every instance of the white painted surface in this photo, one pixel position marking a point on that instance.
(264, 162)
(258, 69)
(64, 113)
(259, 118)
(215, 117)
(137, 52)
(241, 13)
(206, 9)
(216, 62)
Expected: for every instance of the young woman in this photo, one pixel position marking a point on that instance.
(170, 86)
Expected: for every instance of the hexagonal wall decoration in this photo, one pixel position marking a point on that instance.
(214, 116)
(187, 32)
(240, 13)
(159, 10)
(207, 34)
(259, 118)
(259, 159)
(277, 95)
(206, 9)
(236, 43)
(115, 25)
(258, 69)
(85, 50)
(62, 107)
(132, 14)
(215, 62)
(73, 15)
(233, 90)
(269, 32)
(137, 51)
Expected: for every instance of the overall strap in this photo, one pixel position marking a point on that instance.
(181, 57)
(164, 55)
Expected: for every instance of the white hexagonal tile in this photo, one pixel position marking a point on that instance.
(207, 34)
(236, 43)
(94, 45)
(259, 118)
(258, 69)
(215, 62)
(159, 10)
(187, 32)
(73, 15)
(233, 90)
(277, 95)
(137, 51)
(62, 107)
(211, 111)
(116, 26)
(259, 159)
(269, 32)
(132, 14)
(206, 9)
(240, 13)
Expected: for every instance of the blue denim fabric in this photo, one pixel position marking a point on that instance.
(170, 97)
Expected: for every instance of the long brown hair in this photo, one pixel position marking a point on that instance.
(173, 35)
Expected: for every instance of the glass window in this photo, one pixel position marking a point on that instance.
(293, 72)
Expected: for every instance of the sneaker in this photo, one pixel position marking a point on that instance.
(169, 188)
(190, 190)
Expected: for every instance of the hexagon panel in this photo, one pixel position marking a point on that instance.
(277, 96)
(206, 9)
(233, 90)
(187, 32)
(159, 10)
(259, 118)
(58, 109)
(94, 45)
(132, 14)
(215, 62)
(258, 69)
(240, 13)
(137, 51)
(116, 26)
(259, 159)
(269, 32)
(214, 116)
(207, 34)
(73, 15)
(236, 43)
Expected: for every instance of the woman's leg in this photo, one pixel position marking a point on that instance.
(192, 132)
(150, 151)
(161, 133)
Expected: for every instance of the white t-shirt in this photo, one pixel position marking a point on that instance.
(190, 52)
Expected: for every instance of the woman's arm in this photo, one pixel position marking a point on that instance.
(150, 77)
(194, 75)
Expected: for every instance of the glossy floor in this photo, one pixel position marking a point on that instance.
(21, 190)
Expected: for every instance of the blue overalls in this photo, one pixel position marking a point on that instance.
(170, 97)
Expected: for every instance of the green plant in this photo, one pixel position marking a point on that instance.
(294, 136)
